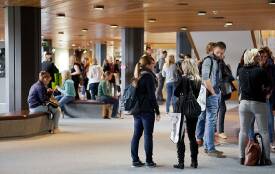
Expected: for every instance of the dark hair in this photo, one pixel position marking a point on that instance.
(164, 52)
(48, 53)
(220, 44)
(148, 48)
(181, 56)
(266, 50)
(106, 74)
(44, 74)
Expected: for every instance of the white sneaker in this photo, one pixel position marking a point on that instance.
(222, 135)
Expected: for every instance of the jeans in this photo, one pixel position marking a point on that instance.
(249, 110)
(94, 90)
(84, 88)
(170, 87)
(161, 80)
(221, 115)
(112, 101)
(191, 128)
(54, 111)
(201, 126)
(143, 123)
(62, 100)
(212, 106)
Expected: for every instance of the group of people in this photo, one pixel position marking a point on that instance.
(256, 82)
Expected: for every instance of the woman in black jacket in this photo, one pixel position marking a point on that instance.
(190, 78)
(144, 117)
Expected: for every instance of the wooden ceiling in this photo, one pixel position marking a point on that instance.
(171, 15)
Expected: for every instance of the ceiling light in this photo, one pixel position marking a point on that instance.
(152, 20)
(113, 26)
(60, 15)
(271, 2)
(228, 23)
(73, 45)
(60, 32)
(99, 7)
(84, 30)
(183, 28)
(202, 13)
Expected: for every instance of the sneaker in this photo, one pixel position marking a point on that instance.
(179, 166)
(138, 164)
(222, 135)
(217, 154)
(194, 164)
(151, 164)
(268, 162)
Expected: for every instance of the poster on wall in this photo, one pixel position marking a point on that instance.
(2, 62)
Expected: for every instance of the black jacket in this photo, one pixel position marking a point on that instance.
(50, 68)
(145, 93)
(183, 87)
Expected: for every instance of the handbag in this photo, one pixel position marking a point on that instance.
(52, 104)
(190, 107)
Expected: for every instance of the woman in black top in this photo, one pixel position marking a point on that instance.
(144, 117)
(75, 73)
(255, 90)
(190, 77)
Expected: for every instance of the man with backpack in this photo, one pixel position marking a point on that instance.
(211, 76)
(158, 69)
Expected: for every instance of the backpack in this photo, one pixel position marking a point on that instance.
(200, 65)
(128, 98)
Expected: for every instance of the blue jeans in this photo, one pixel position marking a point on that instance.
(143, 122)
(112, 101)
(62, 100)
(94, 89)
(212, 106)
(170, 88)
(201, 125)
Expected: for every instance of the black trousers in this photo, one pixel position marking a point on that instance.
(191, 129)
(221, 114)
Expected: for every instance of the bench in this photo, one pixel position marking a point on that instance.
(23, 124)
(87, 109)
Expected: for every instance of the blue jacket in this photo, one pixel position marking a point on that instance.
(38, 95)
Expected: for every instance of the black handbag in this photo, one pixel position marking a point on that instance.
(188, 104)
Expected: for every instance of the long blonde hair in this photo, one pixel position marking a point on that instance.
(65, 76)
(170, 60)
(190, 69)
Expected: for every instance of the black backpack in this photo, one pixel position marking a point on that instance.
(129, 98)
(200, 65)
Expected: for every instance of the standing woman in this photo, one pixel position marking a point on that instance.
(144, 117)
(255, 90)
(85, 68)
(190, 78)
(75, 73)
(169, 73)
(94, 74)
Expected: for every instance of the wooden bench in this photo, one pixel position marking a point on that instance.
(87, 109)
(23, 124)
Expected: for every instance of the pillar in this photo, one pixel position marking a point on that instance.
(23, 52)
(132, 45)
(183, 44)
(100, 52)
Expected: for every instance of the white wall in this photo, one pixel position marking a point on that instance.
(3, 97)
(62, 59)
(236, 42)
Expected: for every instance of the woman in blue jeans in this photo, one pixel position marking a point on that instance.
(67, 90)
(144, 115)
(169, 72)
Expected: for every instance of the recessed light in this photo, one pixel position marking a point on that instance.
(183, 28)
(84, 29)
(113, 26)
(60, 32)
(99, 7)
(271, 2)
(202, 13)
(60, 15)
(152, 20)
(228, 23)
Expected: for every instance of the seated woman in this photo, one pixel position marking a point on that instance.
(255, 89)
(105, 93)
(67, 90)
(39, 97)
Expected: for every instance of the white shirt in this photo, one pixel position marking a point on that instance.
(94, 74)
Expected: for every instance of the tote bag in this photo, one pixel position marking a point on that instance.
(175, 123)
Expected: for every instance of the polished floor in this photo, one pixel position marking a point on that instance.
(96, 146)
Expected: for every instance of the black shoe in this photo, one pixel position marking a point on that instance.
(268, 162)
(179, 166)
(138, 164)
(194, 164)
(151, 164)
(242, 161)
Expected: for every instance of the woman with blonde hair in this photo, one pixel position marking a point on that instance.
(94, 74)
(169, 71)
(146, 112)
(255, 89)
(67, 90)
(189, 81)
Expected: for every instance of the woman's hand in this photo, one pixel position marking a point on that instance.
(158, 118)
